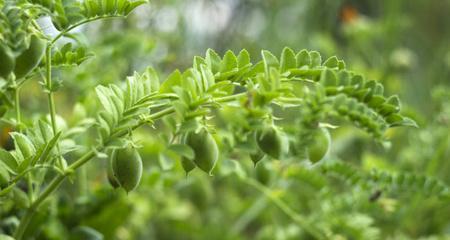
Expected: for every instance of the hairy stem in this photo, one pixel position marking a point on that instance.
(50, 96)
(19, 128)
(54, 184)
(48, 85)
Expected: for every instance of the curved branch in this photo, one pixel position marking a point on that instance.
(65, 31)
(299, 219)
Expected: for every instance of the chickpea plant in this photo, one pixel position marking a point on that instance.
(318, 90)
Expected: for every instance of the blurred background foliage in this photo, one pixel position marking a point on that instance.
(403, 44)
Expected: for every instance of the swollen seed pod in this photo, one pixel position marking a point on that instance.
(269, 140)
(30, 58)
(7, 61)
(319, 146)
(256, 157)
(205, 149)
(187, 165)
(127, 168)
(110, 174)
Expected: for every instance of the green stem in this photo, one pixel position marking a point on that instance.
(37, 166)
(231, 97)
(285, 208)
(54, 184)
(50, 97)
(19, 128)
(48, 84)
(17, 107)
(65, 31)
(249, 215)
(17, 178)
